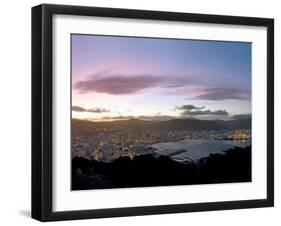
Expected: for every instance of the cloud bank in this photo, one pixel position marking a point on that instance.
(220, 93)
(191, 110)
(92, 110)
(191, 87)
(189, 107)
(119, 85)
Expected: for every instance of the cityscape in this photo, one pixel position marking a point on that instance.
(107, 144)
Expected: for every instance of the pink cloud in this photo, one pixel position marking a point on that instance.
(119, 85)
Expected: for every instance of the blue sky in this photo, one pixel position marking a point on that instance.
(134, 77)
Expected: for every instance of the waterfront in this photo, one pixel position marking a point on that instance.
(194, 149)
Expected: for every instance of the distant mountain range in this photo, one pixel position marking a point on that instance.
(169, 125)
(236, 124)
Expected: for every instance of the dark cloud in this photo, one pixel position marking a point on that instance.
(189, 107)
(77, 108)
(92, 110)
(226, 93)
(98, 110)
(191, 110)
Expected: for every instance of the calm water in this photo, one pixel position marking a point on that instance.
(196, 149)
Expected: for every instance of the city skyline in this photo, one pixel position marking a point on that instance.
(159, 79)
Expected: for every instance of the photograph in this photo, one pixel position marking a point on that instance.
(149, 111)
(141, 112)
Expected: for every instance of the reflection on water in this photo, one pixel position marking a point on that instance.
(196, 149)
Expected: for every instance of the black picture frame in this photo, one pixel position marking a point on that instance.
(42, 107)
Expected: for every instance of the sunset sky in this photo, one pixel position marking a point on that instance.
(150, 78)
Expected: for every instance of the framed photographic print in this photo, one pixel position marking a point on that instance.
(145, 112)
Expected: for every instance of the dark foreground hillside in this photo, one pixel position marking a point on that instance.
(147, 170)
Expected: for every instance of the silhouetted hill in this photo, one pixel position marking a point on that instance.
(189, 124)
(137, 124)
(148, 170)
(236, 124)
